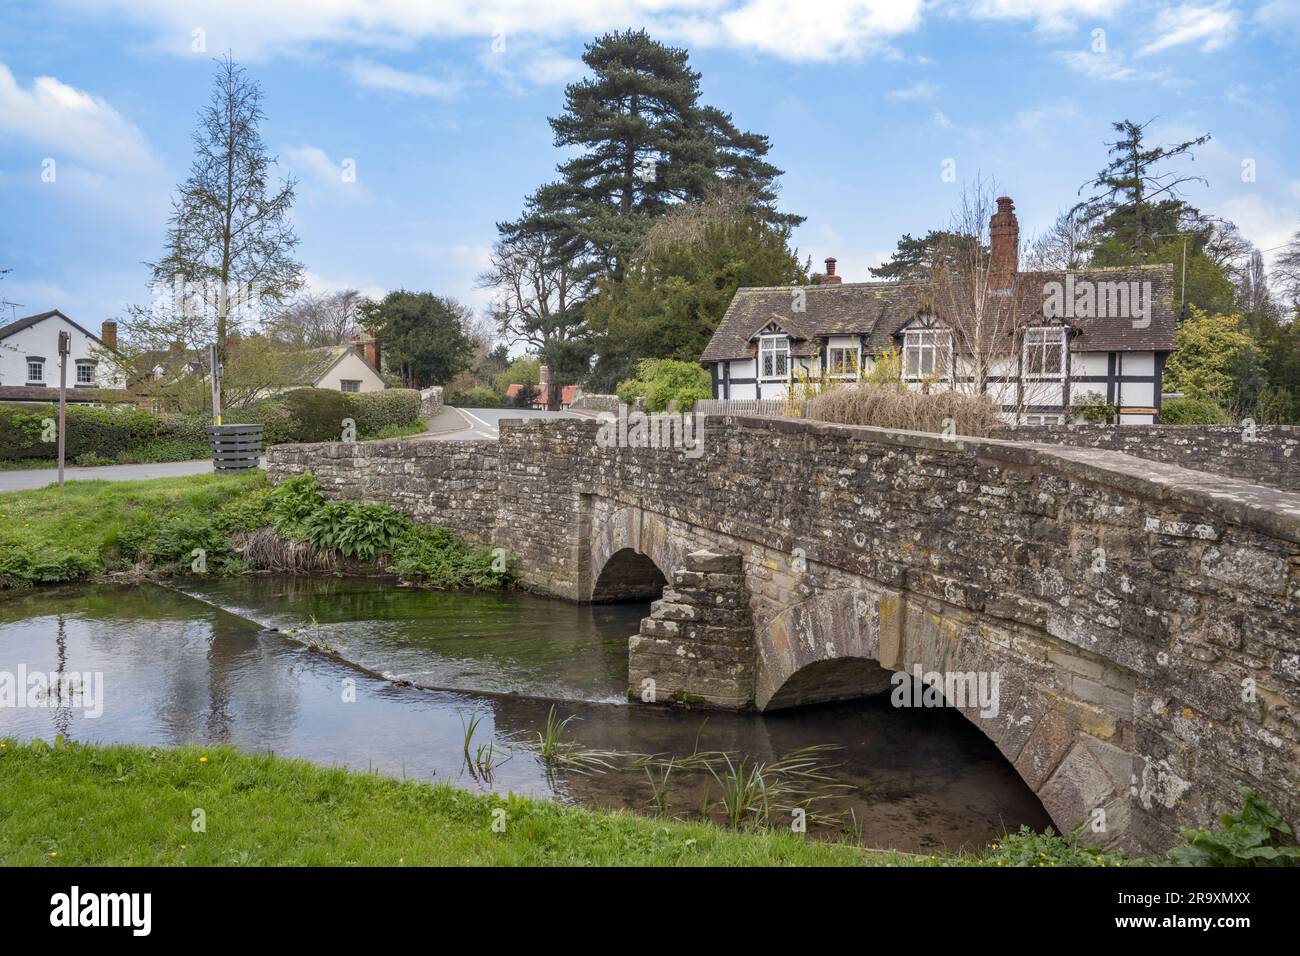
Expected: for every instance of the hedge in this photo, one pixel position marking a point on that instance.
(1191, 411)
(124, 433)
(100, 431)
(393, 406)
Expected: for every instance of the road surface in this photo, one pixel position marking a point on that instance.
(480, 424)
(39, 478)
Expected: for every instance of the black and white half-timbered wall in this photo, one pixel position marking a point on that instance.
(1065, 339)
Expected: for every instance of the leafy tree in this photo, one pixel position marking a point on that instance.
(424, 335)
(679, 284)
(230, 241)
(1216, 360)
(1134, 199)
(525, 370)
(666, 385)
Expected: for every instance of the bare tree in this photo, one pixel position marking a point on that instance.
(537, 302)
(229, 252)
(1286, 271)
(979, 299)
(1062, 247)
(315, 320)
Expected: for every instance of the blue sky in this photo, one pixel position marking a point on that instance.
(442, 108)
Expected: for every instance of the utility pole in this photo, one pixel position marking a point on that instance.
(65, 346)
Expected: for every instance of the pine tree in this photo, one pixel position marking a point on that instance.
(1134, 200)
(646, 144)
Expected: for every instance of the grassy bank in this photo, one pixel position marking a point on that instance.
(57, 534)
(77, 805)
(236, 522)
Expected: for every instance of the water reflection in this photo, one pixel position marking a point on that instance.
(177, 670)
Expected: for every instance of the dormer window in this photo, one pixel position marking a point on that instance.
(773, 357)
(1044, 352)
(927, 353)
(843, 362)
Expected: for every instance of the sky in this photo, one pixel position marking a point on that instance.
(877, 110)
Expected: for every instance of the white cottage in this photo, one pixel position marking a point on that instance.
(29, 359)
(1056, 340)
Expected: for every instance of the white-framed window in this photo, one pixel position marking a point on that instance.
(773, 357)
(843, 362)
(927, 353)
(85, 373)
(1045, 353)
(1043, 419)
(350, 384)
(36, 370)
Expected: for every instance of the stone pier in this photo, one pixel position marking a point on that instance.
(697, 645)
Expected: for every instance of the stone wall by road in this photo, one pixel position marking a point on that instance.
(1265, 454)
(596, 403)
(430, 401)
(451, 483)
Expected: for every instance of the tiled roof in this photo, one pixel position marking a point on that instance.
(567, 393)
(28, 321)
(878, 310)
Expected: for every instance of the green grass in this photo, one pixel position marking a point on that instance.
(80, 805)
(70, 532)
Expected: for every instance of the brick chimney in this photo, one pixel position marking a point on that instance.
(544, 376)
(108, 334)
(1004, 245)
(830, 278)
(372, 352)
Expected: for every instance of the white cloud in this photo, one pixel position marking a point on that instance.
(797, 30)
(1097, 66)
(323, 176)
(921, 90)
(941, 120)
(321, 285)
(377, 76)
(1212, 26)
(1053, 17)
(70, 123)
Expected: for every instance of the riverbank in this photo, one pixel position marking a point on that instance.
(81, 805)
(217, 523)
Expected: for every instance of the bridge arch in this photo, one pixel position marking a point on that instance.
(633, 555)
(1077, 756)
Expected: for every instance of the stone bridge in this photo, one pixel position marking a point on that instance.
(1142, 619)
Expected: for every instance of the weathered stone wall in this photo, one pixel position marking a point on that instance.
(430, 401)
(596, 403)
(1265, 454)
(452, 483)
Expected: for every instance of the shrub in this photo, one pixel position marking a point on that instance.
(667, 384)
(1048, 848)
(1254, 836)
(480, 396)
(393, 406)
(300, 415)
(1192, 411)
(1094, 409)
(886, 407)
(361, 531)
